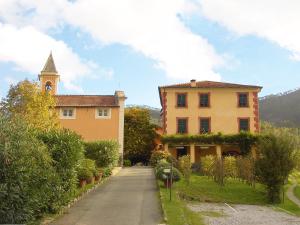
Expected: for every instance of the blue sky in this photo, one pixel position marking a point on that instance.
(146, 44)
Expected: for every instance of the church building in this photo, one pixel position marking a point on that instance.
(94, 117)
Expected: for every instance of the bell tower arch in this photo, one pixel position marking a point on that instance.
(49, 77)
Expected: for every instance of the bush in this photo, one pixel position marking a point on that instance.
(106, 172)
(196, 167)
(157, 156)
(127, 163)
(176, 175)
(26, 174)
(275, 163)
(87, 169)
(105, 153)
(230, 167)
(207, 165)
(185, 167)
(66, 150)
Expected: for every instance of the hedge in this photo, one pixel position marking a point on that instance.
(105, 153)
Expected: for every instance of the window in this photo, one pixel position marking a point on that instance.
(244, 124)
(67, 113)
(181, 99)
(103, 113)
(204, 100)
(243, 100)
(182, 125)
(204, 125)
(48, 86)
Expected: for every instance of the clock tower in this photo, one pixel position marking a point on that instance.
(49, 77)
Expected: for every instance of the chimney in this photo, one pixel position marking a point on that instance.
(193, 83)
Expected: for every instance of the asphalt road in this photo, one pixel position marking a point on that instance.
(129, 198)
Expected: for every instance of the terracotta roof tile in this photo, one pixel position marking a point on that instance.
(86, 100)
(210, 84)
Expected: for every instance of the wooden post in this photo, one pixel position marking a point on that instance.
(192, 152)
(219, 151)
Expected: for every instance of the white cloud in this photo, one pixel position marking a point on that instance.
(28, 48)
(151, 28)
(275, 20)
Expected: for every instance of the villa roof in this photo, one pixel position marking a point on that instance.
(50, 65)
(210, 84)
(86, 101)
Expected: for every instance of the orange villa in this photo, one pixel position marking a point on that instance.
(94, 117)
(208, 107)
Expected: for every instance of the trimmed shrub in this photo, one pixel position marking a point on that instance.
(26, 174)
(185, 167)
(66, 150)
(157, 156)
(105, 153)
(161, 175)
(127, 163)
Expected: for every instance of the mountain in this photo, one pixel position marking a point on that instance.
(282, 109)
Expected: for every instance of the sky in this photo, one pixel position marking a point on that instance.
(100, 46)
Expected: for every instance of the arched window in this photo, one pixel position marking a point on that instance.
(48, 86)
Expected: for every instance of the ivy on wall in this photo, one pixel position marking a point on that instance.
(244, 140)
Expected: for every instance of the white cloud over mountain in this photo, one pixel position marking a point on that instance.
(275, 20)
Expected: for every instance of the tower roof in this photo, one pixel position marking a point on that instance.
(50, 65)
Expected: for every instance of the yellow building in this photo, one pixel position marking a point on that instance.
(208, 107)
(94, 117)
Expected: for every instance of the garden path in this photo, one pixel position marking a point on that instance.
(129, 198)
(290, 194)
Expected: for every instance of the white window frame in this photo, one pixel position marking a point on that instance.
(103, 117)
(67, 117)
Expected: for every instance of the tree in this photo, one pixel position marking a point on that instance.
(27, 101)
(139, 135)
(276, 161)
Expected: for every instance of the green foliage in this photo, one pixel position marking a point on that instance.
(161, 175)
(245, 140)
(275, 162)
(139, 135)
(87, 169)
(157, 156)
(246, 169)
(105, 153)
(106, 172)
(185, 167)
(230, 167)
(207, 165)
(127, 163)
(27, 101)
(66, 150)
(26, 174)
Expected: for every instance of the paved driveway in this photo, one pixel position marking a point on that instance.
(129, 198)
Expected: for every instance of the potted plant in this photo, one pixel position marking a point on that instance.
(98, 175)
(83, 175)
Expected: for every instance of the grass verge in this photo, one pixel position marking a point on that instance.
(176, 211)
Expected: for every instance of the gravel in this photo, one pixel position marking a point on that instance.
(222, 214)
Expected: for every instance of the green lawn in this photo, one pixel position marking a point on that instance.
(203, 189)
(297, 191)
(206, 190)
(176, 211)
